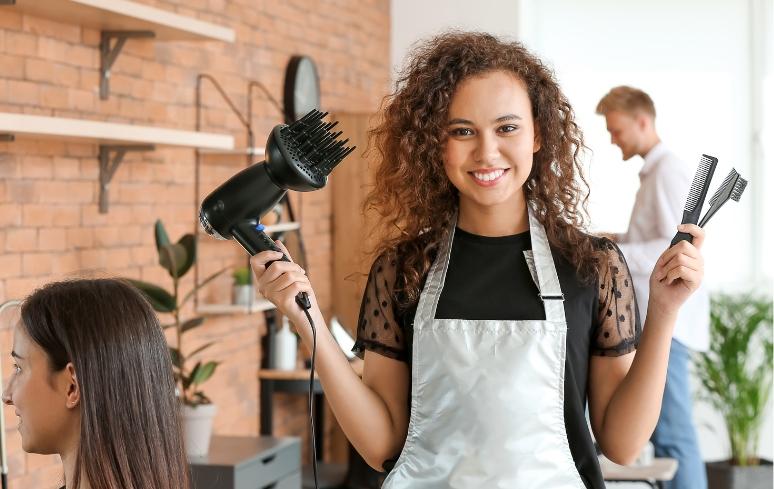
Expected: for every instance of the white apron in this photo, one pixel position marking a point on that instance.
(487, 397)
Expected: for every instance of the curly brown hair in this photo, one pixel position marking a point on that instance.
(414, 197)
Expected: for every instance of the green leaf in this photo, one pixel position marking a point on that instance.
(170, 257)
(191, 324)
(162, 238)
(201, 348)
(188, 379)
(188, 242)
(177, 359)
(203, 373)
(160, 299)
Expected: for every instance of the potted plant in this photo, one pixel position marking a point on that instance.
(736, 374)
(243, 286)
(197, 409)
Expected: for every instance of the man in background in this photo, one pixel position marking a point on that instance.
(664, 184)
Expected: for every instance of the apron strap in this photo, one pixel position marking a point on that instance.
(431, 294)
(548, 280)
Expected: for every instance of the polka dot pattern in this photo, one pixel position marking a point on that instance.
(619, 326)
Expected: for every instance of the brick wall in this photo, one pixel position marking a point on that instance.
(50, 226)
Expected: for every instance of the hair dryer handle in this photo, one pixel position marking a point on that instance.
(253, 239)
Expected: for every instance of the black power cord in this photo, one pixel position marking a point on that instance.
(302, 300)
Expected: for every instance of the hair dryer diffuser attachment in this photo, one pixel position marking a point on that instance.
(299, 157)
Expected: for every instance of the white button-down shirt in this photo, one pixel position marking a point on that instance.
(658, 208)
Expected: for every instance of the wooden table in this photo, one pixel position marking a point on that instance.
(655, 474)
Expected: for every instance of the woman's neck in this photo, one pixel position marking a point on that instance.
(499, 220)
(69, 458)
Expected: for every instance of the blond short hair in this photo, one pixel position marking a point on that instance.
(630, 100)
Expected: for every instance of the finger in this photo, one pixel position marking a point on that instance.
(258, 262)
(285, 280)
(694, 263)
(695, 231)
(284, 250)
(274, 270)
(685, 274)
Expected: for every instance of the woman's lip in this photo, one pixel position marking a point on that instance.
(488, 183)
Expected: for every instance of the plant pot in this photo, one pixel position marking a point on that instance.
(197, 428)
(723, 475)
(243, 294)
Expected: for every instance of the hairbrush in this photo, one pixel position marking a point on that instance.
(731, 189)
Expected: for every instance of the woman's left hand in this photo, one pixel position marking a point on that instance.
(678, 271)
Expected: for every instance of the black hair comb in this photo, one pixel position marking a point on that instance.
(696, 196)
(731, 189)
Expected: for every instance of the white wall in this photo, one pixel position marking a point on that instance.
(416, 19)
(695, 58)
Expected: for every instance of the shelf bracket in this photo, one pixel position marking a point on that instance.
(108, 167)
(108, 54)
(7, 138)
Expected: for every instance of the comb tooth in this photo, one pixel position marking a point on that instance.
(729, 181)
(739, 187)
(705, 164)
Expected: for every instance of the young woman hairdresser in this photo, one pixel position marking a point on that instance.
(93, 383)
(489, 317)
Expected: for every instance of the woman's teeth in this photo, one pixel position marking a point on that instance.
(488, 176)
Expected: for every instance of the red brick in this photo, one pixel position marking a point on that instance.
(21, 239)
(34, 264)
(54, 97)
(9, 215)
(35, 167)
(21, 43)
(23, 92)
(79, 238)
(50, 28)
(65, 263)
(52, 239)
(10, 265)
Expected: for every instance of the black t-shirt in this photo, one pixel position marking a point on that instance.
(488, 278)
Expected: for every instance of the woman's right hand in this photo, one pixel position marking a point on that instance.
(281, 281)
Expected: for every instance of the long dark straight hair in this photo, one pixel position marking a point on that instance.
(130, 435)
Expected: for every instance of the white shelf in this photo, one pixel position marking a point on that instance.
(218, 309)
(260, 152)
(21, 125)
(124, 15)
(270, 228)
(280, 227)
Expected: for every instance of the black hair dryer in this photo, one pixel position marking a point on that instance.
(299, 156)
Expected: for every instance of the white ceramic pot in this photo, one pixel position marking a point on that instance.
(197, 428)
(243, 294)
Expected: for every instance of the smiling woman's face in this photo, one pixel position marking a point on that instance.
(39, 397)
(491, 141)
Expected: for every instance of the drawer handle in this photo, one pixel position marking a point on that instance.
(268, 460)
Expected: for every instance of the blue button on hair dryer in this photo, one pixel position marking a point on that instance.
(299, 156)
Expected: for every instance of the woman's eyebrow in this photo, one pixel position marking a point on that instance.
(502, 118)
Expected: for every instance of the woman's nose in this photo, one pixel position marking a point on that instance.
(487, 149)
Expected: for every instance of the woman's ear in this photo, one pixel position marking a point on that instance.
(73, 390)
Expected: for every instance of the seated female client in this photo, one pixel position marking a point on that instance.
(93, 383)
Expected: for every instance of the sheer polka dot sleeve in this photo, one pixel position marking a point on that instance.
(378, 329)
(618, 321)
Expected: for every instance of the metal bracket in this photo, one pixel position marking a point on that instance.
(107, 168)
(108, 54)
